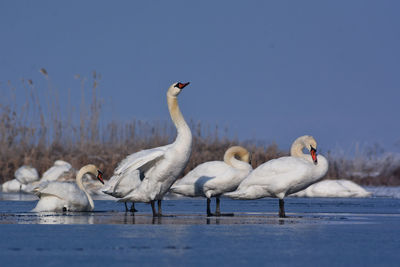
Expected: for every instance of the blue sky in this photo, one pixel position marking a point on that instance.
(267, 70)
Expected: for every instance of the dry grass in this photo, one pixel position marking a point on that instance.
(37, 133)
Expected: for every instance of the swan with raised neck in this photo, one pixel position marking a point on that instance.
(158, 168)
(183, 130)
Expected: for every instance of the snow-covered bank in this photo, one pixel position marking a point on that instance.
(384, 191)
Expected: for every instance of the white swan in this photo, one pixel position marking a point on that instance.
(24, 176)
(333, 188)
(284, 176)
(64, 196)
(54, 172)
(213, 178)
(147, 175)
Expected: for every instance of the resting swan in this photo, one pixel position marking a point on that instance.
(147, 175)
(284, 176)
(213, 178)
(64, 196)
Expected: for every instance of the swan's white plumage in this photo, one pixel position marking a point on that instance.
(54, 196)
(213, 178)
(59, 196)
(26, 174)
(24, 177)
(127, 176)
(53, 173)
(160, 168)
(333, 188)
(283, 176)
(12, 186)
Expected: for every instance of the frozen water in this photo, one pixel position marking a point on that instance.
(318, 232)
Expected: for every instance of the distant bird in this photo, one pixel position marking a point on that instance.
(65, 196)
(147, 175)
(213, 178)
(333, 188)
(54, 173)
(284, 176)
(24, 176)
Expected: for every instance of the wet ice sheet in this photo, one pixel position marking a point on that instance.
(318, 232)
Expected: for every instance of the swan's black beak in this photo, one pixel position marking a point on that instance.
(182, 85)
(100, 176)
(313, 153)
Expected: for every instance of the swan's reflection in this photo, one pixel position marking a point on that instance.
(65, 218)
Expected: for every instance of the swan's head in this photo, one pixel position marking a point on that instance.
(175, 89)
(305, 141)
(100, 176)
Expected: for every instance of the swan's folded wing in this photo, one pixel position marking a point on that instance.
(277, 174)
(62, 190)
(140, 160)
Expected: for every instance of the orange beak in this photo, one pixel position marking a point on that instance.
(100, 176)
(313, 153)
(182, 85)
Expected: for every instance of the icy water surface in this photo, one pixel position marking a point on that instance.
(317, 232)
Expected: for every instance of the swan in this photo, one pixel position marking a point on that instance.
(24, 176)
(53, 173)
(333, 188)
(284, 176)
(213, 178)
(64, 196)
(145, 176)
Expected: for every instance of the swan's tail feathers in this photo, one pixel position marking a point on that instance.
(234, 195)
(185, 190)
(253, 192)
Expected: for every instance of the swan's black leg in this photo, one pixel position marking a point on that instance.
(133, 207)
(126, 207)
(281, 208)
(153, 208)
(217, 207)
(208, 208)
(159, 208)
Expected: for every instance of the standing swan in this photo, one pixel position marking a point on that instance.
(64, 196)
(213, 178)
(147, 175)
(286, 175)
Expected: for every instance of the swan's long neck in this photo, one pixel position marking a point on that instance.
(184, 136)
(242, 153)
(298, 145)
(86, 169)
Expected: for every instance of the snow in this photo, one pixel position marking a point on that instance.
(385, 191)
